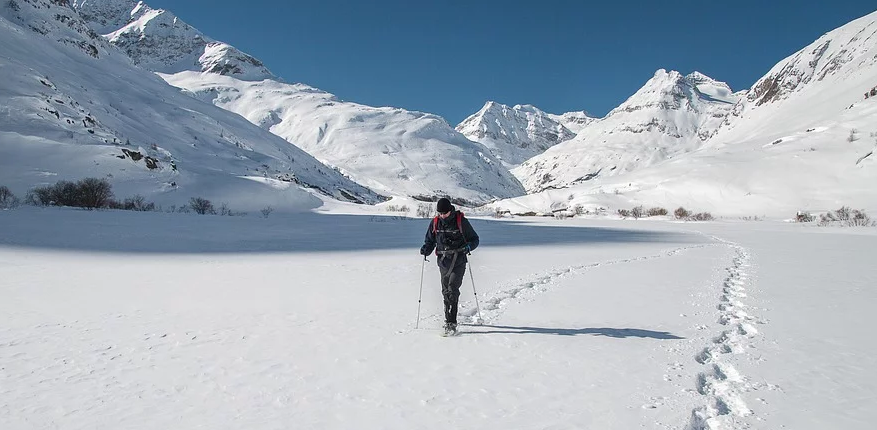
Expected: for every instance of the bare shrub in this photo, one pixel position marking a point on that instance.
(846, 217)
(638, 212)
(7, 199)
(424, 210)
(89, 193)
(579, 210)
(266, 211)
(701, 216)
(853, 136)
(681, 213)
(802, 216)
(657, 212)
(94, 193)
(224, 210)
(63, 193)
(624, 213)
(136, 203)
(201, 206)
(394, 208)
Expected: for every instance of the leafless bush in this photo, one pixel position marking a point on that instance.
(579, 210)
(137, 203)
(853, 136)
(638, 212)
(657, 212)
(394, 208)
(624, 213)
(89, 193)
(846, 217)
(701, 216)
(802, 216)
(202, 206)
(266, 211)
(224, 210)
(681, 213)
(7, 199)
(94, 193)
(424, 210)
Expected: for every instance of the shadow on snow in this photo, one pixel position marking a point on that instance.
(152, 232)
(601, 331)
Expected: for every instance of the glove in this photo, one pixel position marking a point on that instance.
(468, 249)
(424, 250)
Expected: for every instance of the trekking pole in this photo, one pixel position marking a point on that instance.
(419, 299)
(477, 307)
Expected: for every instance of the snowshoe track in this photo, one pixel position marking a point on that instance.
(720, 383)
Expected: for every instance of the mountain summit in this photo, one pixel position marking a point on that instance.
(157, 40)
(670, 115)
(514, 134)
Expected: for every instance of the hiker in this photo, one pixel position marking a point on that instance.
(453, 238)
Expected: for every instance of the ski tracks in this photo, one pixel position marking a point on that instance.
(720, 383)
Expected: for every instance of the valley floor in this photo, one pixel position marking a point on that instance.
(150, 320)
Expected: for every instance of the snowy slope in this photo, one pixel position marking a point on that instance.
(803, 138)
(812, 87)
(73, 106)
(393, 151)
(670, 115)
(574, 121)
(515, 134)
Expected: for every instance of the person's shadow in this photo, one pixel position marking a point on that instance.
(594, 331)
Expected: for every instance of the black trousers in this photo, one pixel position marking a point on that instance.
(452, 279)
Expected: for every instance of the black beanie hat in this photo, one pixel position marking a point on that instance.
(443, 205)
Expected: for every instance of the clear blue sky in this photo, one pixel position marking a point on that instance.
(449, 57)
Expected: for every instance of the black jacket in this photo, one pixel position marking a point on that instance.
(447, 239)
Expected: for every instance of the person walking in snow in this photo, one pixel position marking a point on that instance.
(453, 238)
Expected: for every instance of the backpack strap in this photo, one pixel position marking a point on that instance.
(435, 225)
(460, 226)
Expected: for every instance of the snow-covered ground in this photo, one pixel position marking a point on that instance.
(152, 320)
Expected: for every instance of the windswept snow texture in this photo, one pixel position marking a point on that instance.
(514, 134)
(669, 116)
(72, 106)
(307, 321)
(393, 151)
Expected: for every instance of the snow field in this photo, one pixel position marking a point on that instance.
(307, 321)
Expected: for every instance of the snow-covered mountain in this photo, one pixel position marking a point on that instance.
(157, 40)
(393, 151)
(814, 84)
(73, 106)
(515, 134)
(804, 137)
(670, 115)
(574, 121)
